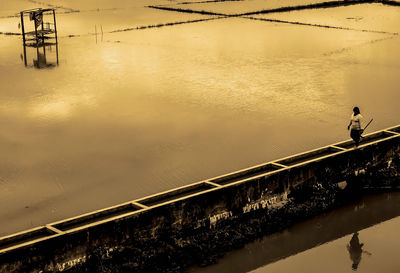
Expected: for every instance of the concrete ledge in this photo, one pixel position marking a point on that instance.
(93, 217)
(395, 130)
(177, 193)
(204, 204)
(26, 237)
(246, 173)
(309, 156)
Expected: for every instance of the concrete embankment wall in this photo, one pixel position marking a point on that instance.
(200, 206)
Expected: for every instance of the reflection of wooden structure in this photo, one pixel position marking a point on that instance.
(43, 35)
(41, 55)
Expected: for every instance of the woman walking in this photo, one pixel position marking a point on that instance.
(355, 125)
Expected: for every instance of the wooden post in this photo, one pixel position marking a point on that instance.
(22, 27)
(55, 25)
(57, 51)
(55, 33)
(36, 34)
(25, 61)
(23, 37)
(37, 55)
(42, 29)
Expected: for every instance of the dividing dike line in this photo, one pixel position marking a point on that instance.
(188, 10)
(322, 5)
(166, 24)
(199, 2)
(318, 25)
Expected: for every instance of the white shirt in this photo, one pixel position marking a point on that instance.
(356, 122)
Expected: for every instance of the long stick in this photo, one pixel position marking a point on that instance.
(362, 132)
(368, 124)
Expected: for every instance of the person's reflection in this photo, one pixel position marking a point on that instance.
(355, 251)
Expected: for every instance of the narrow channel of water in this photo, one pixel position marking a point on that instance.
(361, 236)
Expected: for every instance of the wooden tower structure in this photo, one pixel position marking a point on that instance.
(42, 35)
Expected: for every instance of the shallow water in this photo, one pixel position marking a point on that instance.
(322, 243)
(137, 112)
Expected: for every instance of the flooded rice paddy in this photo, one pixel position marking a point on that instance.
(144, 100)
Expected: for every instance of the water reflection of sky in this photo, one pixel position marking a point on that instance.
(377, 254)
(147, 110)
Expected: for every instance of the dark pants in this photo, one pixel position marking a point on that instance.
(356, 135)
